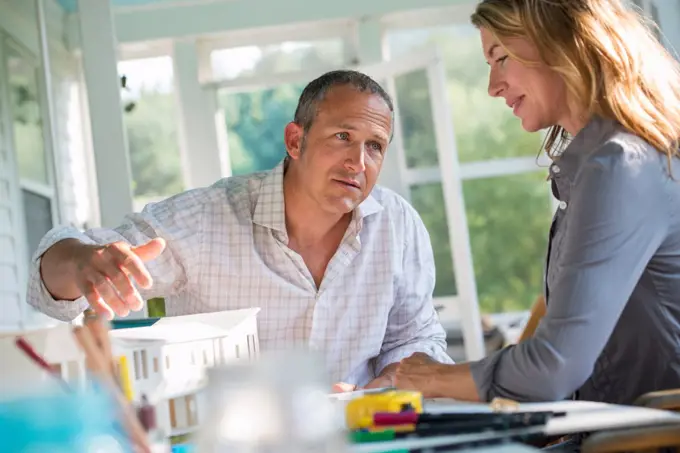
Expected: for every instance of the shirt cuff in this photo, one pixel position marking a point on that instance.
(38, 296)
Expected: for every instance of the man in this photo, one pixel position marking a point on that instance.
(335, 263)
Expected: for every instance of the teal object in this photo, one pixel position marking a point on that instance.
(128, 323)
(183, 448)
(62, 423)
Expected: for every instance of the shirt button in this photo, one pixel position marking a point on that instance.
(563, 205)
(555, 169)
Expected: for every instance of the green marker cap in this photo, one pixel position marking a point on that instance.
(360, 437)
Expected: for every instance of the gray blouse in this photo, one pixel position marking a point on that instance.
(612, 283)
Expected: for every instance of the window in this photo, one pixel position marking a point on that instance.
(192, 410)
(507, 200)
(151, 126)
(173, 414)
(32, 149)
(137, 365)
(38, 214)
(256, 113)
(145, 370)
(155, 364)
(217, 350)
(252, 347)
(287, 56)
(254, 122)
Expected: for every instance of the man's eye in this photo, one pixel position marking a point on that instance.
(342, 135)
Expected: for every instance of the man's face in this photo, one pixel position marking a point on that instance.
(339, 159)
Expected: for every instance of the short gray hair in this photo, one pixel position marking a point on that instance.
(317, 89)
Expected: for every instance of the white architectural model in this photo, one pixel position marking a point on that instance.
(56, 344)
(167, 360)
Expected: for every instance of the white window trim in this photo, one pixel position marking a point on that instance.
(144, 50)
(313, 31)
(428, 18)
(49, 189)
(345, 29)
(491, 168)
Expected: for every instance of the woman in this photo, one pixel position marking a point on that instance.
(595, 75)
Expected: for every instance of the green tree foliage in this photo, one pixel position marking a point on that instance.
(508, 216)
(255, 123)
(153, 145)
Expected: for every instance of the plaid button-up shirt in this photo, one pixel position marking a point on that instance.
(227, 249)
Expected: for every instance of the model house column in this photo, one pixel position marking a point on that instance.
(98, 45)
(201, 161)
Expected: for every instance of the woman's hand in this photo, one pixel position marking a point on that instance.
(434, 379)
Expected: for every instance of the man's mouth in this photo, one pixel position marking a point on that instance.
(349, 183)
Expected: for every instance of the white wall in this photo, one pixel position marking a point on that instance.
(18, 20)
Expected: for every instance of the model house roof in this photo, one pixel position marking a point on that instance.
(182, 329)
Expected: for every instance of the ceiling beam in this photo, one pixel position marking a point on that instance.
(186, 20)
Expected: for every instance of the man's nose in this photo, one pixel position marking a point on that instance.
(356, 157)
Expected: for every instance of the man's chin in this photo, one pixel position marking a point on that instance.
(342, 205)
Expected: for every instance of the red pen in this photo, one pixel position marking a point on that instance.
(40, 361)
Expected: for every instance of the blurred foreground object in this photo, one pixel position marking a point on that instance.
(279, 404)
(61, 422)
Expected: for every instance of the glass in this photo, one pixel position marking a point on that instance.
(150, 121)
(255, 121)
(485, 127)
(277, 58)
(509, 220)
(415, 117)
(428, 200)
(38, 215)
(25, 107)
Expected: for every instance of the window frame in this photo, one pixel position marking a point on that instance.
(48, 190)
(149, 52)
(345, 29)
(473, 170)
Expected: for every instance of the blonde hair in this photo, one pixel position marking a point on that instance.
(598, 47)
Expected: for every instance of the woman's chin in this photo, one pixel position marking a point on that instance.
(530, 125)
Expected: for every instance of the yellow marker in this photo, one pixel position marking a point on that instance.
(359, 412)
(124, 376)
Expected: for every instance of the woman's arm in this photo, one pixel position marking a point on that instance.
(618, 219)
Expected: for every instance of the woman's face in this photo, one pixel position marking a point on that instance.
(536, 94)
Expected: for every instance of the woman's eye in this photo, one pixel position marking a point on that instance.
(501, 60)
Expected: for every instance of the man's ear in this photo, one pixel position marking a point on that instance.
(293, 136)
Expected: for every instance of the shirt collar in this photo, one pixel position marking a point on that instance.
(585, 142)
(270, 204)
